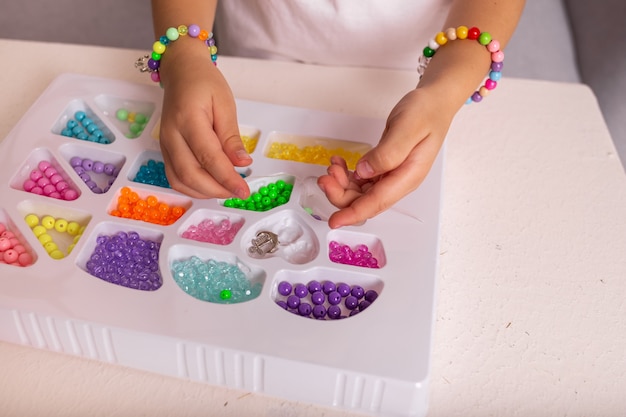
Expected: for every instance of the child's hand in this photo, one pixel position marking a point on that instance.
(409, 145)
(199, 136)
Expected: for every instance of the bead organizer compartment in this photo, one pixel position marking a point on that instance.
(203, 294)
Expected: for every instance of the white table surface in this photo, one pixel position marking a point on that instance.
(531, 313)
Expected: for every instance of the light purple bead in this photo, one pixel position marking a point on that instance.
(497, 66)
(87, 164)
(98, 167)
(109, 169)
(193, 31)
(76, 161)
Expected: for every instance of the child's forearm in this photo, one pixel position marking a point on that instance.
(459, 66)
(173, 13)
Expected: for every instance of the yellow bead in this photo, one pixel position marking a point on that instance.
(73, 228)
(44, 238)
(50, 246)
(441, 39)
(461, 32)
(70, 248)
(61, 225)
(183, 30)
(57, 254)
(32, 220)
(48, 222)
(76, 239)
(158, 47)
(39, 230)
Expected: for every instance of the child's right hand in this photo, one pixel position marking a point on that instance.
(199, 135)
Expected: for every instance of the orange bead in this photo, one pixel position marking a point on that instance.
(125, 191)
(203, 35)
(164, 208)
(133, 197)
(152, 201)
(177, 211)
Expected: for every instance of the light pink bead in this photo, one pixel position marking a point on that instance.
(497, 56)
(43, 165)
(10, 256)
(494, 46)
(25, 259)
(490, 84)
(5, 244)
(155, 77)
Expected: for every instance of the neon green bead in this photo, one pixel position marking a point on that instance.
(484, 38)
(226, 294)
(155, 56)
(172, 34)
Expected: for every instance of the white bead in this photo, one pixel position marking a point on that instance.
(433, 45)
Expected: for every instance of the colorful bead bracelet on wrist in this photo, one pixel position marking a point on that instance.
(151, 63)
(483, 38)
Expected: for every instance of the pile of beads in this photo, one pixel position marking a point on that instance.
(249, 142)
(126, 259)
(153, 173)
(214, 281)
(266, 198)
(220, 233)
(324, 300)
(12, 251)
(85, 128)
(343, 254)
(82, 167)
(43, 228)
(317, 154)
(136, 122)
(47, 180)
(150, 209)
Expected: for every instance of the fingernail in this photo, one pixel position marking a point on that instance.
(364, 169)
(240, 193)
(242, 154)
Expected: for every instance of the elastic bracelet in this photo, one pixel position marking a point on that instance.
(151, 63)
(483, 38)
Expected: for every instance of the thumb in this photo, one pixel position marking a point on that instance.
(392, 150)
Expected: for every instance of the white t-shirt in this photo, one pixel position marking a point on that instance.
(365, 33)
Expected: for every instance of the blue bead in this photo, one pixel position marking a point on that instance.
(71, 124)
(164, 40)
(82, 136)
(77, 129)
(80, 115)
(495, 75)
(67, 132)
(86, 121)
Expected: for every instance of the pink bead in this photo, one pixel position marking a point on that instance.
(37, 190)
(490, 84)
(69, 195)
(497, 56)
(14, 242)
(35, 174)
(5, 244)
(3, 228)
(55, 179)
(25, 259)
(155, 77)
(50, 172)
(29, 185)
(62, 185)
(43, 181)
(10, 256)
(49, 189)
(55, 194)
(19, 248)
(494, 46)
(7, 234)
(43, 165)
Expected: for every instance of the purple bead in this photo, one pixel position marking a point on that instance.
(334, 312)
(319, 311)
(476, 97)
(357, 291)
(152, 64)
(351, 302)
(79, 170)
(364, 304)
(343, 289)
(371, 295)
(282, 304)
(334, 298)
(305, 309)
(300, 290)
(109, 169)
(284, 288)
(98, 167)
(76, 161)
(318, 298)
(314, 286)
(497, 66)
(328, 287)
(293, 301)
(87, 164)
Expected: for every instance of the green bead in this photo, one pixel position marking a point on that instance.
(266, 201)
(141, 118)
(229, 203)
(172, 34)
(272, 194)
(280, 184)
(484, 38)
(226, 294)
(156, 56)
(429, 52)
(122, 114)
(250, 206)
(263, 190)
(281, 200)
(135, 128)
(256, 197)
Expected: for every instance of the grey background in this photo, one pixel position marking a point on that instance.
(557, 40)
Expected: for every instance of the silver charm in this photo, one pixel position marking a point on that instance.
(422, 63)
(142, 63)
(265, 242)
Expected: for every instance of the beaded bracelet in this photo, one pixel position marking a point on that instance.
(151, 63)
(484, 38)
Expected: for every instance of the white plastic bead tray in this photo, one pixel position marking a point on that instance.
(376, 362)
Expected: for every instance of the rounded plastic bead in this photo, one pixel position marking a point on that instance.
(462, 32)
(158, 47)
(48, 222)
(172, 34)
(473, 33)
(441, 39)
(32, 220)
(484, 39)
(193, 30)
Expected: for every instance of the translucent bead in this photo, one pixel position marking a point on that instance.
(182, 30)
